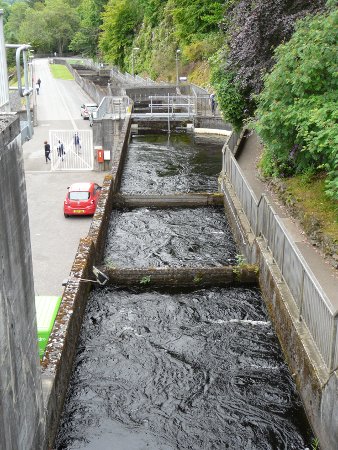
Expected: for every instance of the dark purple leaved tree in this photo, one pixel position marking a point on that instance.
(257, 28)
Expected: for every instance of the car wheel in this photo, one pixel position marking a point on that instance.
(66, 215)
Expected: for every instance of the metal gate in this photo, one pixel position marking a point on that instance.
(76, 151)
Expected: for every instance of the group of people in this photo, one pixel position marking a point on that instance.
(60, 150)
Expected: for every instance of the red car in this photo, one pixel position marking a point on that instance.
(81, 199)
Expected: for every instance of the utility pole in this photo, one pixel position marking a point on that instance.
(178, 51)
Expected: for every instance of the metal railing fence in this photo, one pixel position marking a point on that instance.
(114, 106)
(172, 105)
(314, 307)
(4, 89)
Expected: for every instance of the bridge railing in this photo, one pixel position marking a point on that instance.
(172, 104)
(115, 106)
(314, 307)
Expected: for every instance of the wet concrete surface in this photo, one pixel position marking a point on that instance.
(179, 163)
(180, 370)
(176, 237)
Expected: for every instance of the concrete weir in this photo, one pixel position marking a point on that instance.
(183, 277)
(168, 201)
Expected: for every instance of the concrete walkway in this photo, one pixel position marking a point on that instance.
(54, 239)
(326, 275)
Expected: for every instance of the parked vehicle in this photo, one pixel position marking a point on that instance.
(81, 199)
(87, 109)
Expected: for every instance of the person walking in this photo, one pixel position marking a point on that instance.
(60, 150)
(39, 82)
(213, 104)
(37, 87)
(77, 144)
(47, 151)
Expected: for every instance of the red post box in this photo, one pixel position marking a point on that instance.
(100, 156)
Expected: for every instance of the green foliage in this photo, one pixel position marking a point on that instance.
(297, 112)
(315, 444)
(229, 96)
(145, 280)
(85, 40)
(60, 71)
(202, 49)
(197, 17)
(198, 278)
(121, 20)
(54, 25)
(240, 260)
(12, 26)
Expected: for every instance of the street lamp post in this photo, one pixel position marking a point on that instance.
(135, 49)
(178, 51)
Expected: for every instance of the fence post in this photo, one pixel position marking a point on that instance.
(282, 261)
(334, 349)
(168, 115)
(301, 296)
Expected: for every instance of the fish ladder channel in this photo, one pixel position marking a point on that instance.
(174, 368)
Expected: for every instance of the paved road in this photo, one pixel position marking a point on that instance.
(54, 239)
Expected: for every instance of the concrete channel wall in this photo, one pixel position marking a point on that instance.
(58, 361)
(21, 407)
(313, 367)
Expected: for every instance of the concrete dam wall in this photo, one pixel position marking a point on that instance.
(22, 415)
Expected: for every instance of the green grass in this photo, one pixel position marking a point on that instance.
(60, 71)
(312, 202)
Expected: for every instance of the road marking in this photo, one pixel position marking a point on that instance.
(65, 105)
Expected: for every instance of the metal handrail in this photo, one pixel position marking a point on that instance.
(319, 315)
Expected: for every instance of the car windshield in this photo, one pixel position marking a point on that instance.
(79, 195)
(92, 108)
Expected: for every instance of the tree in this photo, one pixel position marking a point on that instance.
(85, 39)
(253, 29)
(297, 112)
(195, 18)
(16, 16)
(54, 26)
(121, 20)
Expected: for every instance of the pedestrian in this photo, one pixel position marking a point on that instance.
(39, 82)
(60, 150)
(47, 151)
(77, 144)
(37, 87)
(213, 103)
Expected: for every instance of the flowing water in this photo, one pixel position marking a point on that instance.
(161, 165)
(177, 237)
(175, 370)
(178, 370)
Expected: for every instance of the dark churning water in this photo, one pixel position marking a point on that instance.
(176, 237)
(178, 370)
(181, 163)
